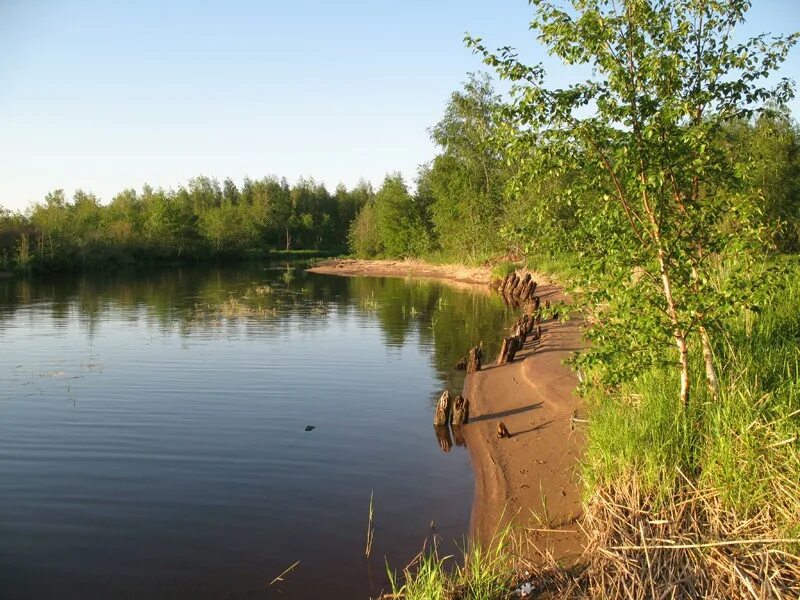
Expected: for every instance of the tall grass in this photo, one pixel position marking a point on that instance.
(484, 573)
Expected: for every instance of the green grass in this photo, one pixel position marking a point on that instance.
(502, 269)
(484, 573)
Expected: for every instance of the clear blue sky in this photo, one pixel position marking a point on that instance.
(107, 95)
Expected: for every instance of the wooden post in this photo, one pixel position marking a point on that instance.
(443, 406)
(501, 358)
(460, 411)
(521, 285)
(514, 345)
(474, 361)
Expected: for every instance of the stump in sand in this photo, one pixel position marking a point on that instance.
(474, 361)
(522, 284)
(501, 358)
(514, 346)
(460, 411)
(443, 409)
(502, 431)
(509, 349)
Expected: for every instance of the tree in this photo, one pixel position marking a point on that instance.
(657, 214)
(465, 181)
(400, 219)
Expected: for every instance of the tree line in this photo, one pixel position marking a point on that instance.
(193, 222)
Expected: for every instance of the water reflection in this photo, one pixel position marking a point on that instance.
(269, 299)
(443, 437)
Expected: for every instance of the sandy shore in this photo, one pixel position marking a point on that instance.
(532, 477)
(456, 275)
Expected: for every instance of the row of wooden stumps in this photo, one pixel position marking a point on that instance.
(450, 411)
(516, 290)
(528, 325)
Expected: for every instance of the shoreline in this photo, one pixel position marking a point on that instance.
(531, 478)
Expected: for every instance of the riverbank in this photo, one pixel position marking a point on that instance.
(530, 479)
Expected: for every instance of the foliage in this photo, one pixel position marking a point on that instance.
(656, 200)
(400, 219)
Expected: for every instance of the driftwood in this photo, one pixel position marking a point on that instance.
(502, 431)
(443, 437)
(443, 408)
(460, 411)
(474, 361)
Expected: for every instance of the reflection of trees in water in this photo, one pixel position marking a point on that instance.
(272, 299)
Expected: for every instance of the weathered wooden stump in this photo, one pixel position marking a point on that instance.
(514, 346)
(521, 285)
(508, 288)
(443, 409)
(501, 358)
(443, 437)
(502, 431)
(474, 360)
(460, 411)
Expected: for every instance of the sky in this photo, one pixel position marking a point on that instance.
(103, 96)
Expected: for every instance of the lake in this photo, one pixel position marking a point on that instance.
(153, 437)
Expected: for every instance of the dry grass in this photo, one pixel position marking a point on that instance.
(691, 547)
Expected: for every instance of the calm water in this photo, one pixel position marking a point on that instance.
(152, 431)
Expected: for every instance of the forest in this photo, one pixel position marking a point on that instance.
(202, 219)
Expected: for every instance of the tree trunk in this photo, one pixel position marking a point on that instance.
(711, 369)
(677, 333)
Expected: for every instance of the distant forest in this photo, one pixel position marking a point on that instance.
(201, 220)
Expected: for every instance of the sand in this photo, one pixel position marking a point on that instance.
(531, 478)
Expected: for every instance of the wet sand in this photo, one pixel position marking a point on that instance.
(531, 478)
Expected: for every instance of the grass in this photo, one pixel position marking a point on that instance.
(370, 525)
(483, 573)
(503, 269)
